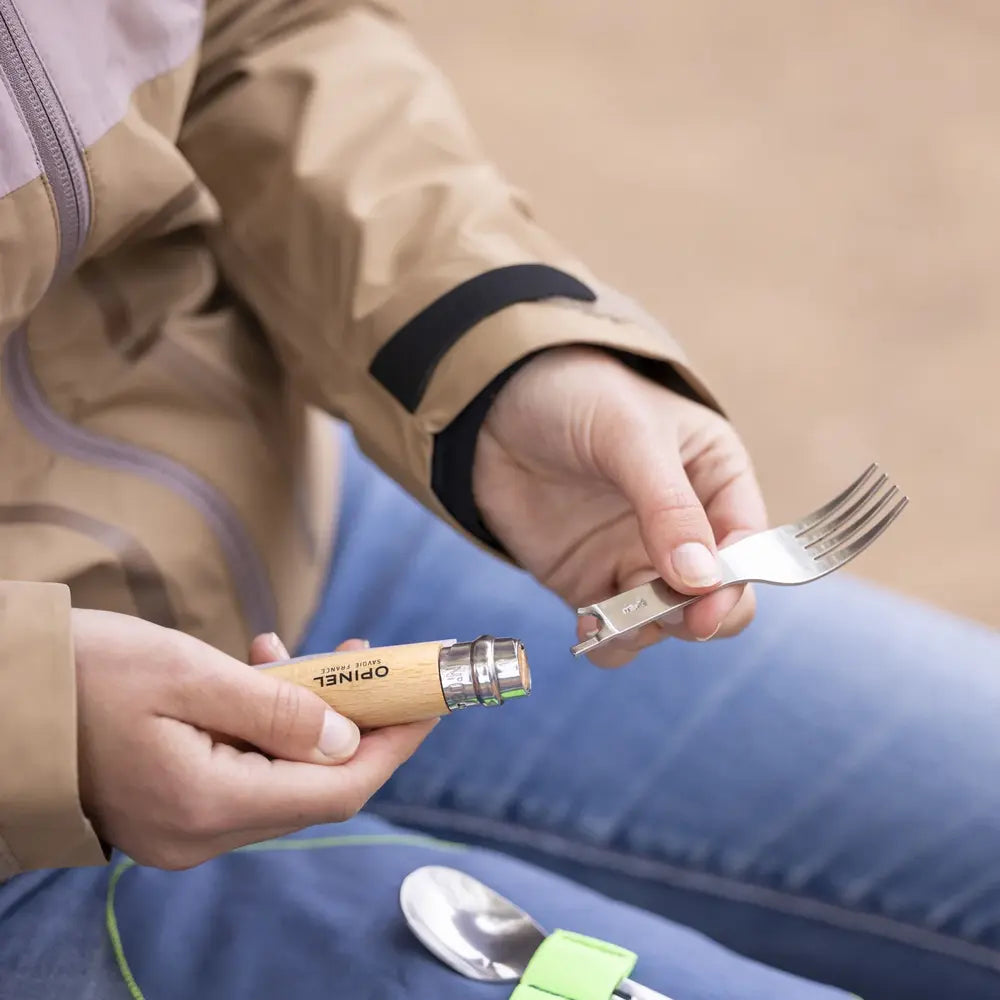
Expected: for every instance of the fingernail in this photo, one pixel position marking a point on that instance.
(588, 626)
(339, 738)
(715, 632)
(695, 565)
(354, 644)
(276, 647)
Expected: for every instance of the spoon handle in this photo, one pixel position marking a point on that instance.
(629, 990)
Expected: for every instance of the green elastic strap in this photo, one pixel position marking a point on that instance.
(574, 967)
(284, 844)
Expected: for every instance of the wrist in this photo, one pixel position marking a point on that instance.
(454, 458)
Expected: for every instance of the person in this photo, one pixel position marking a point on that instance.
(216, 234)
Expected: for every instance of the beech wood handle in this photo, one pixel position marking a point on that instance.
(373, 687)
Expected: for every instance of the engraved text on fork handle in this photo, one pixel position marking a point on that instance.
(631, 610)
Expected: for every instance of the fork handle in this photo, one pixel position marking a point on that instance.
(657, 600)
(628, 611)
(630, 990)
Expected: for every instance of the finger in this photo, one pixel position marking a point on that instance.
(741, 616)
(720, 615)
(725, 481)
(273, 714)
(256, 793)
(675, 528)
(717, 622)
(353, 644)
(233, 837)
(610, 656)
(703, 619)
(622, 650)
(266, 648)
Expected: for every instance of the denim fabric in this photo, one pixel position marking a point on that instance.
(819, 794)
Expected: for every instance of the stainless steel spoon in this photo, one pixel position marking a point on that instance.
(476, 931)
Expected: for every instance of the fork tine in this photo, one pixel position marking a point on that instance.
(839, 557)
(826, 528)
(811, 520)
(850, 531)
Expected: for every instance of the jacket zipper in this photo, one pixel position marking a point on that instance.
(248, 573)
(51, 131)
(61, 158)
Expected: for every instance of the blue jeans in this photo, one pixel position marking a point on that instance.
(820, 794)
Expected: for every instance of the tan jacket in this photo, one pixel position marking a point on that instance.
(220, 223)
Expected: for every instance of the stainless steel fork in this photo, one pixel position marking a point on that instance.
(790, 554)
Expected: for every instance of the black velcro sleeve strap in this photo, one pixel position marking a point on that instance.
(452, 460)
(405, 364)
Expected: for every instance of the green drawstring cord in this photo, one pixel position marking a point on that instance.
(316, 843)
(285, 844)
(111, 922)
(358, 840)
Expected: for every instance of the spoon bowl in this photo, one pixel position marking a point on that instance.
(467, 925)
(476, 931)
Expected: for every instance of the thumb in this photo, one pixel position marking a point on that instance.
(672, 521)
(283, 719)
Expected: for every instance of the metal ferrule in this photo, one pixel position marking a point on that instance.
(486, 671)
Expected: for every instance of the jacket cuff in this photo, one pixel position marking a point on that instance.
(453, 458)
(41, 820)
(441, 370)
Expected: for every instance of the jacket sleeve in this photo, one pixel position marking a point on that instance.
(41, 822)
(395, 271)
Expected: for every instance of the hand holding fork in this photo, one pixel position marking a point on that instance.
(788, 555)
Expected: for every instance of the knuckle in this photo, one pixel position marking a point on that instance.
(285, 713)
(676, 500)
(720, 458)
(679, 509)
(727, 464)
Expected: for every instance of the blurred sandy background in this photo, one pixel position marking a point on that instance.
(808, 193)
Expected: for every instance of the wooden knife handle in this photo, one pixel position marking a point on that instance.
(373, 687)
